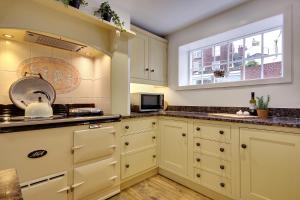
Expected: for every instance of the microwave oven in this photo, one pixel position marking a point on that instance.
(147, 102)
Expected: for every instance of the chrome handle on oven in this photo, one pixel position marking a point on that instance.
(94, 126)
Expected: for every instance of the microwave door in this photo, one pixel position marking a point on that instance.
(151, 102)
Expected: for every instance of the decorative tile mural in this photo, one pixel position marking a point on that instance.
(62, 75)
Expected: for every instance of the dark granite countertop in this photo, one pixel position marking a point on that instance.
(272, 121)
(9, 185)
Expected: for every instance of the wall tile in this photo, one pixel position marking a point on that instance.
(12, 54)
(102, 87)
(40, 51)
(104, 104)
(7, 79)
(102, 67)
(84, 65)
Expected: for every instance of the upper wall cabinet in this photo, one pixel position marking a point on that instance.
(148, 58)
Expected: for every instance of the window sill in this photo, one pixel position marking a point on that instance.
(236, 84)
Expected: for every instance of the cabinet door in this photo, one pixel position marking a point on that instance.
(158, 60)
(139, 57)
(173, 146)
(269, 165)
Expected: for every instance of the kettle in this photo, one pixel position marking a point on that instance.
(38, 109)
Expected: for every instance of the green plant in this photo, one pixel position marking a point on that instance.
(105, 10)
(262, 104)
(67, 2)
(251, 63)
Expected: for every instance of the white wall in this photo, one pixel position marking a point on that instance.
(283, 95)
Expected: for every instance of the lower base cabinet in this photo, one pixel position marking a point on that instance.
(47, 188)
(270, 165)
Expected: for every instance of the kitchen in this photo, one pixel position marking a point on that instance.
(149, 100)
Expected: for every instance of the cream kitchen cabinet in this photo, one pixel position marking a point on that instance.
(174, 146)
(138, 146)
(148, 58)
(269, 165)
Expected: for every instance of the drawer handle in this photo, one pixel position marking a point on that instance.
(153, 123)
(222, 185)
(222, 167)
(198, 175)
(127, 165)
(126, 127)
(154, 156)
(198, 159)
(113, 178)
(198, 129)
(198, 144)
(244, 146)
(152, 70)
(66, 189)
(153, 137)
(222, 149)
(221, 132)
(126, 143)
(146, 69)
(77, 185)
(77, 147)
(113, 163)
(183, 134)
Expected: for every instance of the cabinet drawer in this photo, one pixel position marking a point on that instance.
(138, 125)
(47, 188)
(93, 143)
(138, 141)
(213, 132)
(94, 177)
(213, 164)
(213, 148)
(212, 181)
(132, 164)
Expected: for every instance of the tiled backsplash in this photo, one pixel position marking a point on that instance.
(94, 87)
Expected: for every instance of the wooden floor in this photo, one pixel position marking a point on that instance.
(158, 188)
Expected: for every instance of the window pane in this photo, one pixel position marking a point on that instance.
(196, 62)
(235, 72)
(221, 53)
(236, 50)
(273, 67)
(208, 75)
(224, 68)
(253, 46)
(253, 69)
(208, 56)
(273, 42)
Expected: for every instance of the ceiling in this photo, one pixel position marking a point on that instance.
(167, 16)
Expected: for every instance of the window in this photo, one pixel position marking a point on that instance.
(256, 53)
(251, 57)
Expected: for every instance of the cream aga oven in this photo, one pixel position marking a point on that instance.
(146, 102)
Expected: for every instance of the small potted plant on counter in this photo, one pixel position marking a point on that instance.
(107, 14)
(263, 107)
(74, 3)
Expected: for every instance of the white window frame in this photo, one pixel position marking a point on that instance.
(286, 61)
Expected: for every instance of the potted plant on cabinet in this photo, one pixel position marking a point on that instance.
(74, 3)
(263, 107)
(107, 14)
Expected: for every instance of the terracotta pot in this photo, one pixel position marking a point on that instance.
(263, 113)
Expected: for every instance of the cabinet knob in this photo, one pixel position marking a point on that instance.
(183, 134)
(127, 127)
(146, 69)
(127, 165)
(153, 137)
(126, 143)
(221, 132)
(153, 123)
(198, 175)
(222, 149)
(198, 129)
(244, 146)
(154, 156)
(152, 70)
(222, 167)
(198, 144)
(222, 184)
(198, 159)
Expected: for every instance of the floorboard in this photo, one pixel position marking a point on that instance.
(158, 188)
